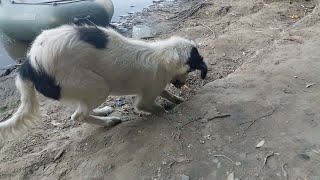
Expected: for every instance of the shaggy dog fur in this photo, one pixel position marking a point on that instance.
(83, 65)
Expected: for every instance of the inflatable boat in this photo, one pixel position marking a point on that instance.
(23, 20)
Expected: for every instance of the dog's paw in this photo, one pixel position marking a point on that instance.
(111, 121)
(153, 109)
(116, 121)
(141, 112)
(178, 100)
(159, 110)
(103, 111)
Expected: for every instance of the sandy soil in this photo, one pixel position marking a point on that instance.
(263, 85)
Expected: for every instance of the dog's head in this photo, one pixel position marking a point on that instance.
(196, 62)
(190, 60)
(179, 80)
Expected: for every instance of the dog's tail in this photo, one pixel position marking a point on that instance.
(27, 112)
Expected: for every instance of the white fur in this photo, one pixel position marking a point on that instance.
(87, 75)
(26, 114)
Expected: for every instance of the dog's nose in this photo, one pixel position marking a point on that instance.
(177, 83)
(179, 86)
(204, 70)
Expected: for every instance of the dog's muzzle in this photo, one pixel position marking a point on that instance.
(204, 70)
(178, 84)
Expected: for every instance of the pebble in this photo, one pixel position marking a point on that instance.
(304, 156)
(207, 137)
(185, 177)
(60, 153)
(215, 161)
(203, 120)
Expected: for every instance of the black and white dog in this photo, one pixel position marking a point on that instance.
(83, 65)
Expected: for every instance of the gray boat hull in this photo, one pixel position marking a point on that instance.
(24, 21)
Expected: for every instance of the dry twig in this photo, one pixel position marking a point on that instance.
(293, 40)
(190, 12)
(190, 122)
(213, 33)
(252, 122)
(285, 174)
(210, 119)
(178, 135)
(266, 159)
(59, 154)
(219, 116)
(221, 155)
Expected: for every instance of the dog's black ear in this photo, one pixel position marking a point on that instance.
(195, 61)
(204, 70)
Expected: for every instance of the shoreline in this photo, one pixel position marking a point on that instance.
(126, 23)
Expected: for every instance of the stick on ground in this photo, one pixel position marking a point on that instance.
(219, 116)
(285, 174)
(266, 159)
(221, 155)
(252, 122)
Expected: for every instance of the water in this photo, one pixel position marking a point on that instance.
(125, 7)
(5, 59)
(121, 8)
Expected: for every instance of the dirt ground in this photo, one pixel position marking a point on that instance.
(263, 86)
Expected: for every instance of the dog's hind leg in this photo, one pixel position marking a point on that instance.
(102, 111)
(82, 114)
(91, 92)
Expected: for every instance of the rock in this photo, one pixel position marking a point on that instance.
(141, 31)
(204, 120)
(309, 85)
(185, 177)
(231, 176)
(303, 156)
(260, 144)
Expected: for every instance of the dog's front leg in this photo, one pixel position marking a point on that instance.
(102, 111)
(146, 103)
(171, 97)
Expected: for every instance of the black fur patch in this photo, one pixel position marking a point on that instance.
(93, 36)
(43, 83)
(195, 61)
(177, 83)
